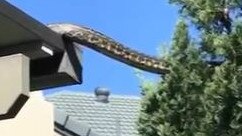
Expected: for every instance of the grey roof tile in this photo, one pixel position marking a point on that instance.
(60, 116)
(77, 127)
(105, 119)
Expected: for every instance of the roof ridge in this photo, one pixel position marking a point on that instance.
(124, 96)
(68, 92)
(92, 94)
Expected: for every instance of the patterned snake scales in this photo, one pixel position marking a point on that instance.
(107, 46)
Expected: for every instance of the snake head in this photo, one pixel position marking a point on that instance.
(63, 28)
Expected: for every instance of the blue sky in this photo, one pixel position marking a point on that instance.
(143, 25)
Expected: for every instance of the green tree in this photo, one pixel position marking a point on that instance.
(210, 15)
(197, 98)
(223, 90)
(219, 22)
(175, 106)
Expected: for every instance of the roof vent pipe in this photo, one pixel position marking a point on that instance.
(102, 94)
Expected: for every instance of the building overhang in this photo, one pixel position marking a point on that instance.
(47, 50)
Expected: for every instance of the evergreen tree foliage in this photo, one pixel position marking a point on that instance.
(198, 99)
(210, 15)
(220, 25)
(223, 90)
(175, 107)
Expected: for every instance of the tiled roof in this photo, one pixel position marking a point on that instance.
(115, 118)
(66, 125)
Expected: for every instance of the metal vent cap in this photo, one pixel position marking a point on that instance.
(102, 94)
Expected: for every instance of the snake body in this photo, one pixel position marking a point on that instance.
(109, 47)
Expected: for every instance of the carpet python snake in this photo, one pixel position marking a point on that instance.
(109, 47)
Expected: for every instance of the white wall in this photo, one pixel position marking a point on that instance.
(36, 116)
(34, 119)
